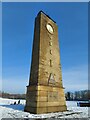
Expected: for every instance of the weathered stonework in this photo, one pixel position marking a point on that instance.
(45, 92)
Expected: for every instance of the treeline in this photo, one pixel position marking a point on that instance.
(12, 96)
(78, 95)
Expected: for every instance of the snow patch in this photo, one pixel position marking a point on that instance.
(8, 110)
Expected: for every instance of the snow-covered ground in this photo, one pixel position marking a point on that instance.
(8, 110)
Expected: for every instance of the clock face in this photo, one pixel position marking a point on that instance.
(50, 28)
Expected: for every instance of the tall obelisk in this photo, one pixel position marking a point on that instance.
(45, 92)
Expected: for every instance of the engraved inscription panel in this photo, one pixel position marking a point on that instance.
(52, 96)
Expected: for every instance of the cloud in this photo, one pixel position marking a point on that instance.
(75, 78)
(0, 84)
(14, 85)
(0, 78)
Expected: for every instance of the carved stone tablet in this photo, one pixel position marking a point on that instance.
(51, 79)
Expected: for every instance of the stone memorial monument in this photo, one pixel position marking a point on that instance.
(45, 92)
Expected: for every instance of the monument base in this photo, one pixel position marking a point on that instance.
(42, 110)
(45, 99)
